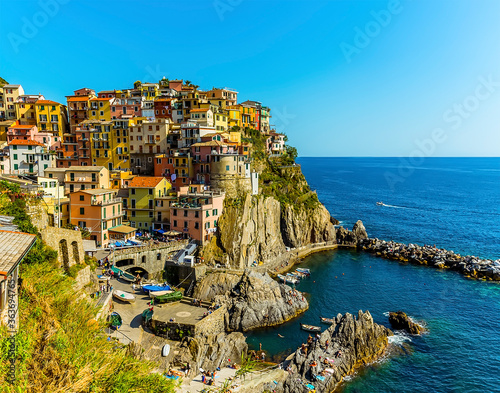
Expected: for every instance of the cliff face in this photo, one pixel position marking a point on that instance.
(300, 227)
(359, 341)
(259, 229)
(251, 231)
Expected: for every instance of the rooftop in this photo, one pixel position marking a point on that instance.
(97, 191)
(145, 181)
(122, 229)
(79, 168)
(13, 248)
(47, 102)
(26, 143)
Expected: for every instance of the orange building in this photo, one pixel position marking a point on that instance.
(98, 210)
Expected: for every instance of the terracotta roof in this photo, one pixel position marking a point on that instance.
(13, 248)
(106, 91)
(27, 143)
(79, 98)
(47, 102)
(81, 168)
(145, 182)
(28, 126)
(101, 99)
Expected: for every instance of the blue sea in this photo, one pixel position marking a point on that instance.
(450, 202)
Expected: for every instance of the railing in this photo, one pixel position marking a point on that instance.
(107, 202)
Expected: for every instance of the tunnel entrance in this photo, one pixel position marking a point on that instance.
(138, 271)
(124, 262)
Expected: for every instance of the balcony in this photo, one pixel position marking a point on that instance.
(107, 202)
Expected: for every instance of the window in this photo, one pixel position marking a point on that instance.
(104, 225)
(185, 224)
(150, 214)
(196, 214)
(82, 197)
(196, 225)
(16, 166)
(132, 201)
(133, 213)
(132, 190)
(175, 212)
(214, 212)
(150, 204)
(150, 191)
(185, 213)
(175, 223)
(72, 177)
(15, 156)
(207, 225)
(82, 210)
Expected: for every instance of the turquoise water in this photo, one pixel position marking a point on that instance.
(455, 204)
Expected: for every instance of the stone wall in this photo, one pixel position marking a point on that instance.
(150, 258)
(212, 323)
(232, 185)
(68, 244)
(83, 278)
(38, 214)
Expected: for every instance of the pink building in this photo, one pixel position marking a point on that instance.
(126, 107)
(197, 212)
(27, 132)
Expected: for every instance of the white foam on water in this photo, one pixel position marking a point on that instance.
(399, 338)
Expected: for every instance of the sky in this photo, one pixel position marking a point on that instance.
(342, 78)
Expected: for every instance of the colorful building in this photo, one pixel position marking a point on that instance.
(29, 157)
(98, 210)
(25, 108)
(51, 117)
(197, 212)
(10, 93)
(141, 204)
(100, 109)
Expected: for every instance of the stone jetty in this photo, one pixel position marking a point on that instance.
(469, 266)
(323, 362)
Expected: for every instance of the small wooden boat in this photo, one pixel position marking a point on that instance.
(288, 280)
(115, 320)
(300, 274)
(303, 270)
(147, 314)
(153, 294)
(123, 296)
(310, 328)
(166, 350)
(293, 275)
(155, 288)
(169, 297)
(328, 321)
(122, 274)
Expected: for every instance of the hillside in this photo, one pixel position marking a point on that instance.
(3, 82)
(59, 346)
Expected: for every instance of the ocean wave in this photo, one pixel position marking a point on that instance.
(399, 338)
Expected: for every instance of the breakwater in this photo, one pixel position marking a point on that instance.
(469, 266)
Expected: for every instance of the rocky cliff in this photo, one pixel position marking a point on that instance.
(255, 300)
(343, 347)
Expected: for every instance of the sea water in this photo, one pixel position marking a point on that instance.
(450, 202)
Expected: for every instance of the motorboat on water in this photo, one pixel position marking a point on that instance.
(310, 328)
(380, 203)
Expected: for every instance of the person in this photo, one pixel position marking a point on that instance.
(188, 369)
(263, 357)
(133, 287)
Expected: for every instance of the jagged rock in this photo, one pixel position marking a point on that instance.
(359, 341)
(212, 351)
(300, 227)
(257, 300)
(400, 321)
(215, 284)
(359, 231)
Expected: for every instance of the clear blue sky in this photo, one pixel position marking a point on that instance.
(333, 91)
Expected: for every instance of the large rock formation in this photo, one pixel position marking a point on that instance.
(215, 284)
(400, 321)
(255, 301)
(300, 227)
(358, 233)
(351, 343)
(251, 231)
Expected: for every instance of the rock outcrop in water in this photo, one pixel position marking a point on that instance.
(256, 300)
(358, 233)
(400, 321)
(346, 345)
(470, 266)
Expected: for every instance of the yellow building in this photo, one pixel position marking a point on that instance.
(149, 90)
(100, 143)
(100, 109)
(9, 95)
(120, 145)
(247, 116)
(221, 118)
(121, 179)
(51, 116)
(25, 108)
(234, 119)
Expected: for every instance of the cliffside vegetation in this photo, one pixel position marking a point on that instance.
(59, 347)
(3, 82)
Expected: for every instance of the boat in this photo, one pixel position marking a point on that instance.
(155, 288)
(303, 270)
(169, 297)
(310, 328)
(102, 278)
(147, 314)
(288, 280)
(122, 274)
(153, 294)
(380, 203)
(300, 274)
(123, 296)
(328, 321)
(294, 275)
(115, 320)
(166, 350)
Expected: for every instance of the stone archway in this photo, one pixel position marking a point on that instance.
(76, 253)
(124, 262)
(138, 270)
(63, 249)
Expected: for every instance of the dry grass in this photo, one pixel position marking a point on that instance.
(60, 351)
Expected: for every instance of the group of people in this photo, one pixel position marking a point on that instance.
(208, 377)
